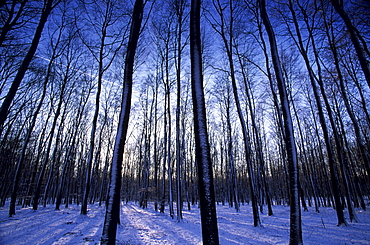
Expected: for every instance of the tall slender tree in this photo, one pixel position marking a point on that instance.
(106, 49)
(295, 210)
(202, 148)
(179, 8)
(228, 40)
(113, 200)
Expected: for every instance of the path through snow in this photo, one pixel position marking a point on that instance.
(141, 227)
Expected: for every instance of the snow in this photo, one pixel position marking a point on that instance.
(139, 226)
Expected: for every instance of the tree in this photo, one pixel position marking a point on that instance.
(20, 162)
(355, 38)
(179, 7)
(71, 146)
(256, 130)
(106, 48)
(113, 200)
(63, 94)
(228, 40)
(202, 149)
(313, 79)
(295, 211)
(46, 10)
(13, 14)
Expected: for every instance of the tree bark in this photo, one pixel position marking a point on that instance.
(179, 11)
(295, 211)
(203, 157)
(113, 201)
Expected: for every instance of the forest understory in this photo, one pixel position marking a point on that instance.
(146, 226)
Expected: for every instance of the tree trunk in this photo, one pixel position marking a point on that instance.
(353, 33)
(295, 211)
(26, 62)
(329, 147)
(169, 168)
(229, 51)
(51, 136)
(113, 201)
(179, 11)
(155, 150)
(69, 154)
(258, 143)
(203, 158)
(28, 137)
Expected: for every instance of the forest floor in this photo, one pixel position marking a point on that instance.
(139, 227)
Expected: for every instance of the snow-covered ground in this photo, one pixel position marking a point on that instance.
(67, 226)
